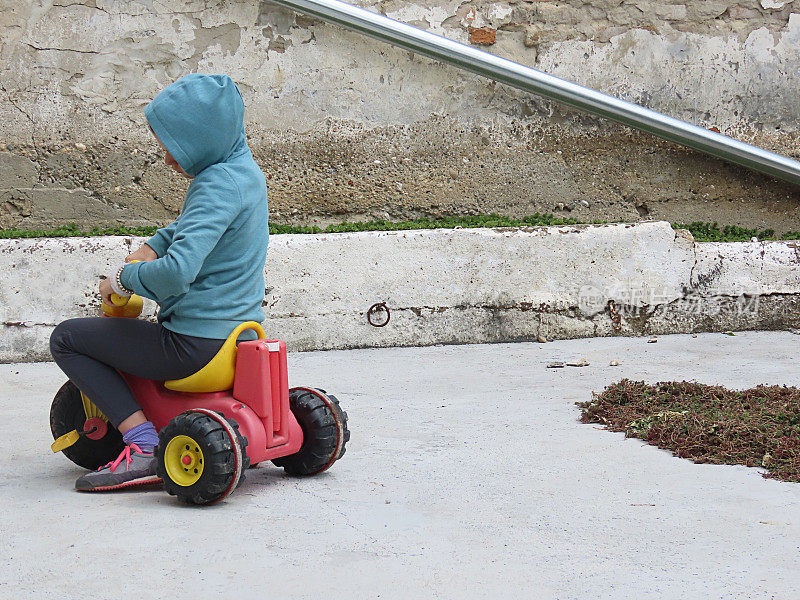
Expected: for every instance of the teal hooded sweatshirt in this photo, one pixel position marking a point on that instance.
(209, 274)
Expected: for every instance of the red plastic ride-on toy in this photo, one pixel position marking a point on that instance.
(235, 412)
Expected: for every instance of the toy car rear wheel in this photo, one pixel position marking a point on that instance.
(201, 456)
(67, 414)
(325, 432)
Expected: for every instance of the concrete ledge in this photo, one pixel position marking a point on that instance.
(445, 286)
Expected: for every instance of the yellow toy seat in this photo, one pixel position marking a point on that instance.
(217, 375)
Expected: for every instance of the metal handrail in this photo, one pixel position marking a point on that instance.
(528, 79)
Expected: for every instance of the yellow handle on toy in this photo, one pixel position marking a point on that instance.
(119, 300)
(122, 300)
(124, 306)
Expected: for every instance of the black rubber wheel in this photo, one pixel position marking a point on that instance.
(214, 450)
(67, 414)
(325, 433)
(243, 445)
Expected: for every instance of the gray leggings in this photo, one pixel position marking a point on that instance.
(91, 350)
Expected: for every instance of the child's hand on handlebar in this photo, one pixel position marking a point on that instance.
(106, 291)
(143, 254)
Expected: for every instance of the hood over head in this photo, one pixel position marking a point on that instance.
(199, 119)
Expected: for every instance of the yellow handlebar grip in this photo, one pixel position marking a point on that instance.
(119, 300)
(123, 306)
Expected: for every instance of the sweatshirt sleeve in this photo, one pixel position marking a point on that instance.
(162, 239)
(207, 213)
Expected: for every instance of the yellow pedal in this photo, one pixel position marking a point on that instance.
(65, 441)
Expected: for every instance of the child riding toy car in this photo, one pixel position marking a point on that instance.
(233, 413)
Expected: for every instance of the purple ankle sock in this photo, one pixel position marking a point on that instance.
(143, 435)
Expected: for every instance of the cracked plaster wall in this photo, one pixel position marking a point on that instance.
(453, 286)
(348, 127)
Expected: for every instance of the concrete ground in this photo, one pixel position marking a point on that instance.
(468, 476)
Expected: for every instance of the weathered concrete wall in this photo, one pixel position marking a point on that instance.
(348, 127)
(445, 286)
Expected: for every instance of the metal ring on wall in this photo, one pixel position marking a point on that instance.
(375, 309)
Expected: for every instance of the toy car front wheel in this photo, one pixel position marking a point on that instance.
(67, 414)
(325, 432)
(201, 456)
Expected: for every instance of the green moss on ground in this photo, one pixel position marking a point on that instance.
(491, 220)
(703, 232)
(707, 424)
(72, 230)
(712, 232)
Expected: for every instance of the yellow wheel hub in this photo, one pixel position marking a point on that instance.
(183, 460)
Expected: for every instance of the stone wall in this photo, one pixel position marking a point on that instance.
(348, 127)
(445, 286)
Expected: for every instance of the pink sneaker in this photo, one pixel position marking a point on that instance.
(138, 468)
